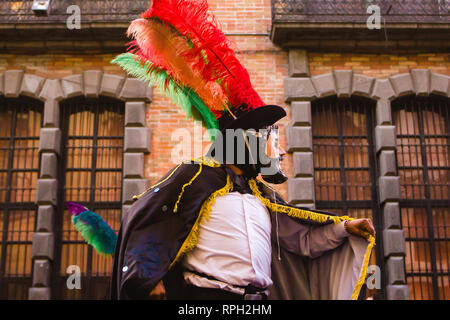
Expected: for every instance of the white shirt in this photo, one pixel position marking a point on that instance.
(234, 245)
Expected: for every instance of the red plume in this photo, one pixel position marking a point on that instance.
(192, 19)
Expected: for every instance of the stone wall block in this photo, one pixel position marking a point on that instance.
(301, 190)
(389, 188)
(47, 191)
(43, 245)
(303, 164)
(50, 140)
(298, 63)
(362, 85)
(12, 82)
(91, 81)
(298, 139)
(298, 89)
(111, 85)
(402, 84)
(324, 84)
(73, 85)
(421, 81)
(135, 113)
(301, 113)
(137, 140)
(391, 215)
(31, 85)
(132, 187)
(439, 84)
(394, 243)
(45, 218)
(343, 80)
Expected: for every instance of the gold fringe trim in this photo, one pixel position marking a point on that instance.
(207, 161)
(205, 211)
(157, 184)
(295, 212)
(175, 208)
(362, 275)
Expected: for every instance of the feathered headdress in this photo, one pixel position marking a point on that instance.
(178, 45)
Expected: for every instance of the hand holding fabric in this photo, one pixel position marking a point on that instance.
(360, 227)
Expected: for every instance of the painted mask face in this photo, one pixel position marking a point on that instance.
(254, 151)
(272, 172)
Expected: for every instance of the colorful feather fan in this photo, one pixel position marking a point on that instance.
(93, 228)
(178, 45)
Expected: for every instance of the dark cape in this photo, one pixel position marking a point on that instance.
(162, 226)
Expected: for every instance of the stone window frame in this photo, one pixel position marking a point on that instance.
(137, 142)
(300, 89)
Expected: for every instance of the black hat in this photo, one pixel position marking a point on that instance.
(246, 118)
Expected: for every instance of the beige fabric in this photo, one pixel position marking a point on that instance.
(304, 271)
(333, 275)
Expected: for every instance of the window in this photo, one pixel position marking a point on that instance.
(423, 166)
(344, 159)
(20, 120)
(90, 173)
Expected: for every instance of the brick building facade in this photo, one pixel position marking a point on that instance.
(351, 95)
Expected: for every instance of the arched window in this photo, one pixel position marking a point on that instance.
(344, 159)
(90, 173)
(424, 169)
(20, 124)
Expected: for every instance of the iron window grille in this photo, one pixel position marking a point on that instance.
(21, 120)
(90, 174)
(423, 153)
(345, 170)
(393, 11)
(120, 11)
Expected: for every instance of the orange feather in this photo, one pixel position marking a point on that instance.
(163, 46)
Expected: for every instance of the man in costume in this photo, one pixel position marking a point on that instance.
(231, 237)
(209, 229)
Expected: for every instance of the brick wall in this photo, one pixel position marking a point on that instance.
(378, 65)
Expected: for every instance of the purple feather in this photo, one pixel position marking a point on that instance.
(75, 209)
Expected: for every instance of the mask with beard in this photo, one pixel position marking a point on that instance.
(248, 151)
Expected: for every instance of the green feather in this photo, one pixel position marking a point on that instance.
(189, 101)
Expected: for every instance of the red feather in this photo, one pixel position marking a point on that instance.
(192, 19)
(157, 42)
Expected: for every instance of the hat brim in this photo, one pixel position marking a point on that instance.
(258, 118)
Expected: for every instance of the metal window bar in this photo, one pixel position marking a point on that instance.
(344, 162)
(430, 11)
(21, 120)
(91, 174)
(12, 11)
(423, 158)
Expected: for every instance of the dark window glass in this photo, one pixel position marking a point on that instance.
(423, 167)
(91, 172)
(344, 161)
(20, 124)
